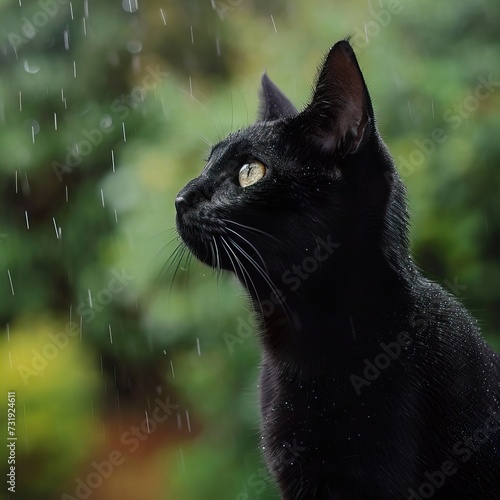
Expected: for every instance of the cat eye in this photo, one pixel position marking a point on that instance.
(250, 173)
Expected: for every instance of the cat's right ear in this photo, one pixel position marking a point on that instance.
(340, 115)
(273, 103)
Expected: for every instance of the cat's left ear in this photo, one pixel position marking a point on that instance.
(273, 103)
(340, 113)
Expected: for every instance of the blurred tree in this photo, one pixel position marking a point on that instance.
(106, 109)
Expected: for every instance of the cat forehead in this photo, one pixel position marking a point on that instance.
(260, 137)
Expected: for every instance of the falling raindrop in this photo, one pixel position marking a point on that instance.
(192, 35)
(90, 299)
(10, 281)
(74, 69)
(57, 229)
(124, 135)
(30, 69)
(113, 160)
(134, 46)
(198, 345)
(66, 39)
(130, 6)
(106, 122)
(183, 463)
(34, 127)
(27, 220)
(147, 422)
(172, 368)
(188, 421)
(55, 121)
(409, 110)
(110, 335)
(71, 11)
(26, 185)
(84, 22)
(163, 17)
(274, 24)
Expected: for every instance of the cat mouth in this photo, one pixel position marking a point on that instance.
(200, 236)
(221, 243)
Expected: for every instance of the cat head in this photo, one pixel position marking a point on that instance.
(316, 184)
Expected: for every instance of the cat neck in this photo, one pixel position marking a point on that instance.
(347, 306)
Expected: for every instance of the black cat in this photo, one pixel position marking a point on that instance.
(375, 382)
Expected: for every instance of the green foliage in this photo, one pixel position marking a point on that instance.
(92, 164)
(56, 404)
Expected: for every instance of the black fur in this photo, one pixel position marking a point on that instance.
(375, 382)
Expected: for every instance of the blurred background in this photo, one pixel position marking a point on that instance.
(135, 368)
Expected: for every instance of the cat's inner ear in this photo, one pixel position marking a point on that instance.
(340, 110)
(273, 103)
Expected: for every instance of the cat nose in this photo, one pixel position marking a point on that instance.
(187, 199)
(183, 203)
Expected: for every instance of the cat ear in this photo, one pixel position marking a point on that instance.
(273, 103)
(340, 110)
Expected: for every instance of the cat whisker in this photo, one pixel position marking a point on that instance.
(181, 254)
(230, 251)
(245, 274)
(171, 259)
(252, 229)
(252, 246)
(217, 259)
(274, 289)
(206, 140)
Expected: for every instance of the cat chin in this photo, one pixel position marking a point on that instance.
(205, 249)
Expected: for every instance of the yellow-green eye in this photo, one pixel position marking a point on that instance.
(250, 173)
